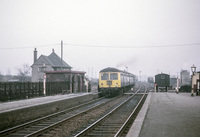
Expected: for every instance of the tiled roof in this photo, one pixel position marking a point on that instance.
(55, 61)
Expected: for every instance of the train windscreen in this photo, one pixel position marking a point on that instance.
(104, 76)
(113, 76)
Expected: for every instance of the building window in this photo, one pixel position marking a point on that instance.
(42, 69)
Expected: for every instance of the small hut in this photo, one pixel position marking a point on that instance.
(74, 80)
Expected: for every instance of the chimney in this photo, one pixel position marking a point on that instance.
(35, 55)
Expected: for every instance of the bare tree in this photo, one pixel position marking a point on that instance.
(8, 72)
(23, 72)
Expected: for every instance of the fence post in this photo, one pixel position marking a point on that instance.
(39, 89)
(32, 89)
(10, 92)
(44, 85)
(24, 90)
(28, 89)
(5, 94)
(20, 90)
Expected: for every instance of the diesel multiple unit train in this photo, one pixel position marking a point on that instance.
(113, 81)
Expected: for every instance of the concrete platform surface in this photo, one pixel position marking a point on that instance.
(13, 105)
(172, 115)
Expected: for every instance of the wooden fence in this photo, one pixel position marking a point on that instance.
(23, 90)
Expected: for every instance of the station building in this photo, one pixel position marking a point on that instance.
(74, 79)
(53, 69)
(47, 63)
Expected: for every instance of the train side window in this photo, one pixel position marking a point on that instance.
(122, 77)
(113, 76)
(104, 76)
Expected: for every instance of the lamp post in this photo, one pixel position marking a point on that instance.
(193, 69)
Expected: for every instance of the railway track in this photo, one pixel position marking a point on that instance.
(40, 125)
(115, 123)
(51, 124)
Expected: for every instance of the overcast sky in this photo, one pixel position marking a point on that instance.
(151, 36)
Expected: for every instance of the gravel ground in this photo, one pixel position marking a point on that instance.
(71, 127)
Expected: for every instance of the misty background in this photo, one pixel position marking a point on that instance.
(149, 36)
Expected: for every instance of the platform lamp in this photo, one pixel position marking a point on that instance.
(193, 68)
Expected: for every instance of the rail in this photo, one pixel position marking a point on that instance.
(101, 120)
(39, 120)
(130, 117)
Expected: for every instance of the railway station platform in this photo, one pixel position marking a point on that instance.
(14, 105)
(167, 114)
(16, 112)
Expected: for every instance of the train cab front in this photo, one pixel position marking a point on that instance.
(108, 84)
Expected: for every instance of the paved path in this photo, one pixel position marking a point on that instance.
(171, 115)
